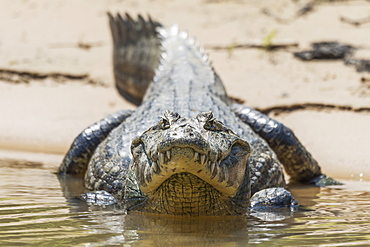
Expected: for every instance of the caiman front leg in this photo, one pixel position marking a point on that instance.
(297, 161)
(77, 158)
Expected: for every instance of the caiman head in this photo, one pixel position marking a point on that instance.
(189, 166)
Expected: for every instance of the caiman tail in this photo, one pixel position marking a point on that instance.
(136, 53)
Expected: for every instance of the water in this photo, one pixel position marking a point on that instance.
(34, 211)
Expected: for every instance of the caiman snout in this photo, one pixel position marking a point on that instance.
(200, 146)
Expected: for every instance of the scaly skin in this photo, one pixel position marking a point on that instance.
(203, 156)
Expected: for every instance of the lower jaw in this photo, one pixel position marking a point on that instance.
(187, 195)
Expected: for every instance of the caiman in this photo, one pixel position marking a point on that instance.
(188, 149)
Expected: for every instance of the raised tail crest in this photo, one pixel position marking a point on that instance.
(136, 54)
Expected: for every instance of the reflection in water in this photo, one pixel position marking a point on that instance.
(34, 211)
(154, 230)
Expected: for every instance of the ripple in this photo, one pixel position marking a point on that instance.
(34, 211)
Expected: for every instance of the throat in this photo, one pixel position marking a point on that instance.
(186, 194)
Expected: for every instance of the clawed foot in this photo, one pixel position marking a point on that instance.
(272, 198)
(273, 204)
(99, 198)
(323, 180)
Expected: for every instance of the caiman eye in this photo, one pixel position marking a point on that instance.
(165, 124)
(211, 124)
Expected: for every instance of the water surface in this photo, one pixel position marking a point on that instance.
(35, 211)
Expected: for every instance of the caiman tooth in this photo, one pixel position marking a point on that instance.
(226, 175)
(161, 157)
(196, 156)
(168, 154)
(214, 171)
(212, 167)
(155, 167)
(203, 159)
(209, 165)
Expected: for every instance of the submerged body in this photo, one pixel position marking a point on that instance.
(187, 149)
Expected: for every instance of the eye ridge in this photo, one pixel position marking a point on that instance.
(213, 124)
(164, 123)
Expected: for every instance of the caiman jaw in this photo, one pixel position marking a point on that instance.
(202, 147)
(225, 179)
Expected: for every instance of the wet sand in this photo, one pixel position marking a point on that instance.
(65, 48)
